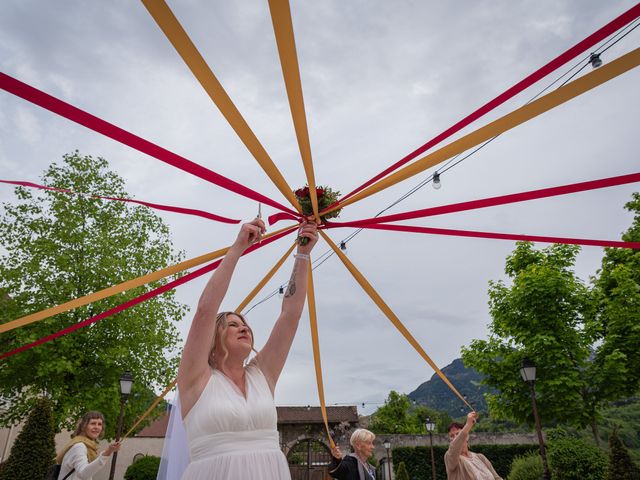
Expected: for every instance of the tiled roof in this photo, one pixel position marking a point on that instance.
(314, 414)
(156, 429)
(286, 415)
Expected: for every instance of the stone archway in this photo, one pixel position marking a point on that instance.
(309, 459)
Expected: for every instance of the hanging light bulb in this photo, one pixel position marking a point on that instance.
(595, 60)
(343, 246)
(436, 181)
(281, 292)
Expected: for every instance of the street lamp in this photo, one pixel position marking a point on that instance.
(126, 381)
(528, 373)
(387, 446)
(431, 428)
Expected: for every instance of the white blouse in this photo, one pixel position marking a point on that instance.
(76, 458)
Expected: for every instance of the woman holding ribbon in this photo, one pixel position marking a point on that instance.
(79, 459)
(227, 404)
(354, 466)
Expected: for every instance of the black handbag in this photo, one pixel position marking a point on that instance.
(54, 473)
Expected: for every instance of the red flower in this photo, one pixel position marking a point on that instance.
(319, 191)
(302, 192)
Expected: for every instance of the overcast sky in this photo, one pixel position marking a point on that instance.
(379, 79)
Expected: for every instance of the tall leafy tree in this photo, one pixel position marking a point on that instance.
(542, 315)
(584, 341)
(616, 367)
(56, 247)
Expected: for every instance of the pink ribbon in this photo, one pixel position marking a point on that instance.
(493, 201)
(157, 206)
(505, 236)
(96, 124)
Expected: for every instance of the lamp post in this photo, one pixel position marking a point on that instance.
(528, 373)
(387, 446)
(431, 428)
(126, 381)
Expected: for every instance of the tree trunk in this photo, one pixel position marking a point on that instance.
(594, 430)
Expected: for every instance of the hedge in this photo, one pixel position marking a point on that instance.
(418, 459)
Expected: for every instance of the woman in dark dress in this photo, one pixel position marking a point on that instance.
(354, 466)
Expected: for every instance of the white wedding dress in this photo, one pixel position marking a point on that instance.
(231, 437)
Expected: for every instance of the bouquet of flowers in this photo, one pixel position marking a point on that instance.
(326, 196)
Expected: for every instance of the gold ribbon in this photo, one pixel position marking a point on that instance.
(171, 27)
(507, 122)
(315, 342)
(366, 286)
(107, 292)
(285, 39)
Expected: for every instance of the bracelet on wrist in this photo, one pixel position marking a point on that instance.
(301, 256)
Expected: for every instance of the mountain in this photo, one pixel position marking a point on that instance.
(435, 394)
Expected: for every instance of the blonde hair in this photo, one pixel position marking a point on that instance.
(221, 328)
(83, 423)
(361, 435)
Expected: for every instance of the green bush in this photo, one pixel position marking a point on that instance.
(34, 449)
(418, 459)
(401, 472)
(526, 467)
(574, 459)
(146, 468)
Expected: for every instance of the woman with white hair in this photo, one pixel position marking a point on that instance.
(354, 466)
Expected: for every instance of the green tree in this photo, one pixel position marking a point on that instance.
(615, 371)
(542, 316)
(621, 466)
(400, 415)
(57, 247)
(583, 340)
(401, 472)
(393, 416)
(34, 449)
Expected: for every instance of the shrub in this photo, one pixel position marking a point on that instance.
(146, 468)
(621, 466)
(526, 467)
(401, 472)
(34, 449)
(574, 459)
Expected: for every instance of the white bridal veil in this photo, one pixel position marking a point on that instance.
(175, 452)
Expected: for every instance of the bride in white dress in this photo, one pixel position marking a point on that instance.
(227, 406)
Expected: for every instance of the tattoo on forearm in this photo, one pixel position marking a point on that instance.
(291, 287)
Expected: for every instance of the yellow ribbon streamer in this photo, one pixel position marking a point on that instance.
(366, 286)
(150, 409)
(507, 122)
(129, 284)
(171, 27)
(315, 342)
(285, 39)
(266, 278)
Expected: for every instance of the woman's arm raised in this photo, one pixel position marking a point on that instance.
(274, 353)
(193, 373)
